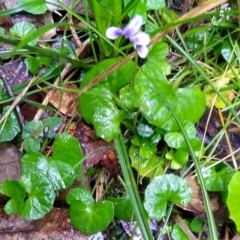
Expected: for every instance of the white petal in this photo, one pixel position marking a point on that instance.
(113, 32)
(140, 38)
(142, 51)
(133, 27)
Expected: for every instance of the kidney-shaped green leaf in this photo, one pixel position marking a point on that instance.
(41, 196)
(16, 192)
(218, 177)
(166, 188)
(80, 194)
(91, 219)
(233, 199)
(10, 128)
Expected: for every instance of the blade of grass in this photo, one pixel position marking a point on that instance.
(132, 190)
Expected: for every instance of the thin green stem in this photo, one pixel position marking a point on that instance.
(132, 190)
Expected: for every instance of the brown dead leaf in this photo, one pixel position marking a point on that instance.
(197, 205)
(10, 165)
(110, 162)
(55, 225)
(65, 101)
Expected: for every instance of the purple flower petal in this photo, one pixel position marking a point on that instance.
(113, 32)
(142, 51)
(140, 38)
(133, 27)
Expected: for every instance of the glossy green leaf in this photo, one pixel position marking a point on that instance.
(32, 129)
(166, 188)
(80, 194)
(91, 219)
(52, 122)
(218, 177)
(126, 96)
(174, 139)
(146, 166)
(178, 158)
(226, 50)
(144, 130)
(233, 199)
(24, 29)
(32, 64)
(67, 149)
(16, 192)
(196, 225)
(178, 234)
(97, 105)
(41, 196)
(39, 7)
(122, 208)
(61, 174)
(10, 128)
(31, 144)
(155, 4)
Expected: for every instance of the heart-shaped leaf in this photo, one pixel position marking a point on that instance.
(80, 194)
(218, 177)
(41, 196)
(166, 188)
(91, 219)
(16, 192)
(11, 128)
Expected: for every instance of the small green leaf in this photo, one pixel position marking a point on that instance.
(16, 192)
(91, 219)
(52, 122)
(32, 64)
(233, 199)
(40, 196)
(39, 7)
(97, 105)
(146, 166)
(67, 149)
(178, 234)
(196, 225)
(80, 194)
(226, 50)
(218, 177)
(174, 139)
(178, 158)
(10, 128)
(163, 189)
(144, 130)
(32, 129)
(122, 208)
(24, 29)
(31, 144)
(155, 4)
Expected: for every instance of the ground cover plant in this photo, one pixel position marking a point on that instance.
(122, 112)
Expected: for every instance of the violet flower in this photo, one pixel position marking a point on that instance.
(139, 39)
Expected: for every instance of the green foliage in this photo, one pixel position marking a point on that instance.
(34, 63)
(178, 234)
(196, 225)
(233, 199)
(105, 13)
(23, 30)
(33, 6)
(218, 177)
(97, 106)
(86, 215)
(10, 128)
(166, 188)
(42, 176)
(122, 208)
